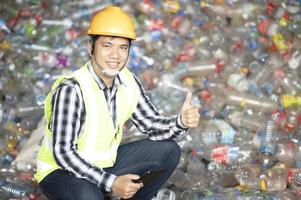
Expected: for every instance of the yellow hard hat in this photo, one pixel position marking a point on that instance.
(112, 21)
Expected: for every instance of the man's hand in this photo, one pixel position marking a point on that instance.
(189, 114)
(124, 187)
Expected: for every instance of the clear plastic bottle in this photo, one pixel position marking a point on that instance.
(274, 179)
(165, 194)
(15, 189)
(287, 82)
(287, 195)
(201, 69)
(296, 181)
(217, 131)
(196, 166)
(246, 153)
(259, 76)
(245, 100)
(239, 82)
(250, 122)
(197, 173)
(180, 179)
(295, 60)
(292, 118)
(210, 135)
(298, 156)
(268, 144)
(248, 176)
(221, 174)
(266, 161)
(285, 152)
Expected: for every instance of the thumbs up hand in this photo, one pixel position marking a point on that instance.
(189, 113)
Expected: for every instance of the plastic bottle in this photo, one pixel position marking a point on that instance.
(180, 179)
(287, 195)
(287, 82)
(295, 60)
(266, 161)
(201, 69)
(268, 144)
(197, 173)
(23, 111)
(239, 82)
(244, 10)
(260, 104)
(3, 26)
(171, 6)
(165, 194)
(274, 179)
(288, 100)
(250, 122)
(285, 152)
(196, 166)
(296, 181)
(259, 76)
(246, 153)
(210, 135)
(292, 119)
(214, 168)
(298, 156)
(248, 176)
(15, 190)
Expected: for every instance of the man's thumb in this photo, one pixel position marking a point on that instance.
(188, 98)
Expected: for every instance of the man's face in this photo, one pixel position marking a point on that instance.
(111, 52)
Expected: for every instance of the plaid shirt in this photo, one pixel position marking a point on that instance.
(69, 117)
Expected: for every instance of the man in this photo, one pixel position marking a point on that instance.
(81, 157)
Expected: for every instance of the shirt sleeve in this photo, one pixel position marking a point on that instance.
(67, 122)
(148, 120)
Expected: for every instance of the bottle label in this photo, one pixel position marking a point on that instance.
(227, 131)
(233, 153)
(292, 173)
(268, 145)
(267, 148)
(220, 154)
(290, 100)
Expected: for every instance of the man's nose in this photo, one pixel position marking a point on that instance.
(114, 52)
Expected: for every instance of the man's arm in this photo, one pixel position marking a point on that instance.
(148, 120)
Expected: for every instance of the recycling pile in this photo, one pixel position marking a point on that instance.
(241, 59)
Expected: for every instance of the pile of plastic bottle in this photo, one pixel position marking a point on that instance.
(241, 59)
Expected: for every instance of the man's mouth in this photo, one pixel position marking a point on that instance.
(113, 65)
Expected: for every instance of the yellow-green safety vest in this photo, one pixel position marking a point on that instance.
(99, 140)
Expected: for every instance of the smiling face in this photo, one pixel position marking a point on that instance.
(111, 53)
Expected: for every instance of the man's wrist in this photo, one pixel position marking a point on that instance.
(180, 124)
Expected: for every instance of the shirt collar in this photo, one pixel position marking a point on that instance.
(118, 80)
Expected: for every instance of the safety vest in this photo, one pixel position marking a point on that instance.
(99, 140)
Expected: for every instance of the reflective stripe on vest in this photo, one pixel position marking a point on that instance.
(99, 140)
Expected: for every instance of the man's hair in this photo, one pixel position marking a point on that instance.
(93, 40)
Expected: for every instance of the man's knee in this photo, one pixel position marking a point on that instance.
(172, 146)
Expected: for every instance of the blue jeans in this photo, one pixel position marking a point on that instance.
(135, 157)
